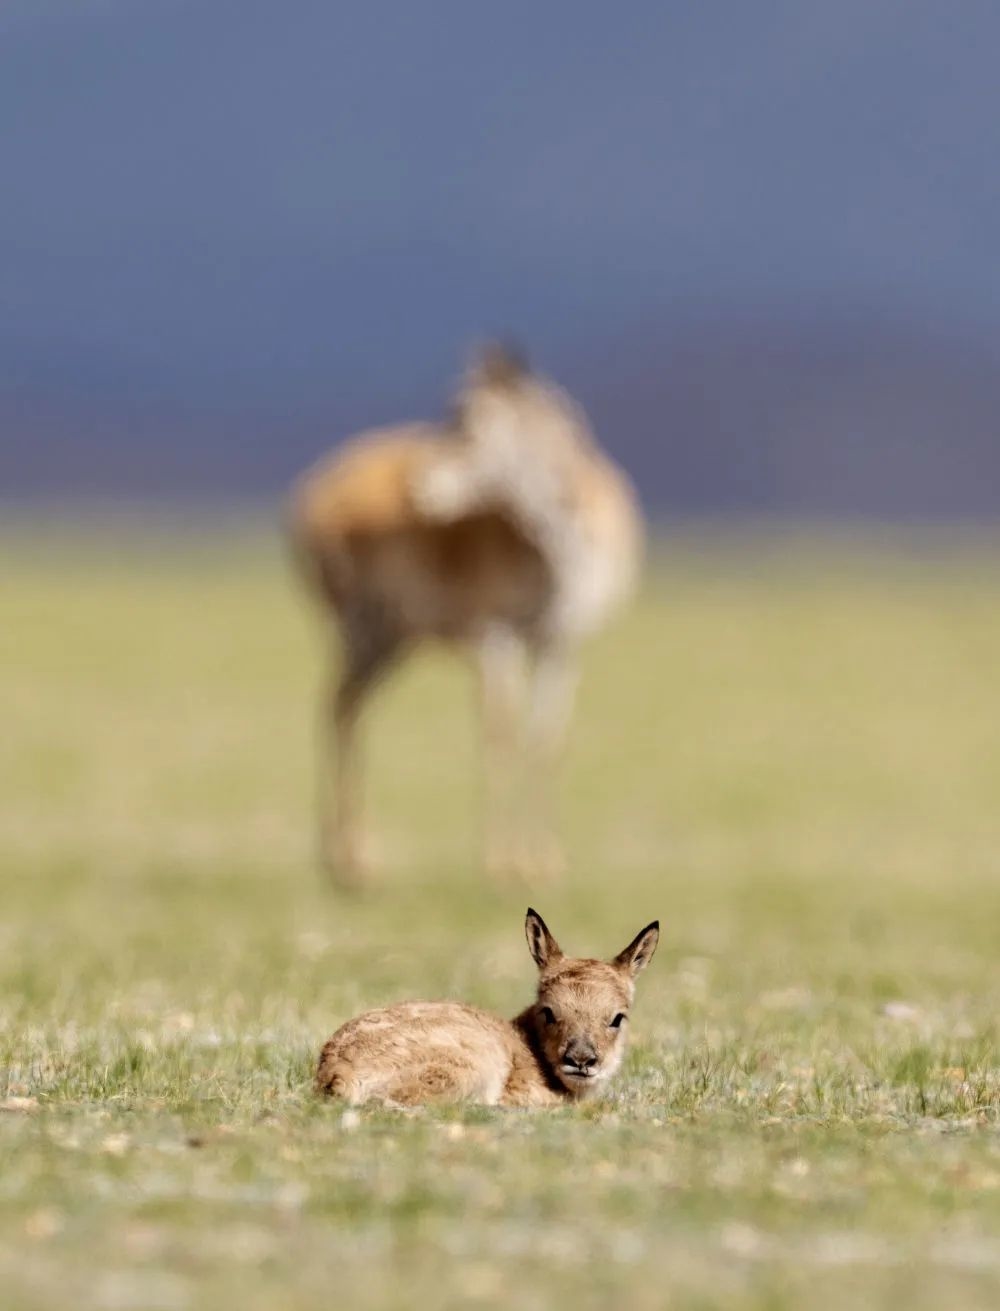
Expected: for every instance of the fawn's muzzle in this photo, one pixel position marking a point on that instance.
(579, 1058)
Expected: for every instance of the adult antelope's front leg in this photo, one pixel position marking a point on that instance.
(343, 840)
(550, 710)
(501, 672)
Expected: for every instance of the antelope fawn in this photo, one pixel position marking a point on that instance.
(560, 1050)
(504, 530)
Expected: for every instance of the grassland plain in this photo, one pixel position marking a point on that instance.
(789, 751)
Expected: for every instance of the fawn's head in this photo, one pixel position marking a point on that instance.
(581, 1013)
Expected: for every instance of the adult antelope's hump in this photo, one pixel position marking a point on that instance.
(360, 532)
(365, 485)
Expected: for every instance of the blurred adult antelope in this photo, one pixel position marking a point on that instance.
(561, 1049)
(504, 530)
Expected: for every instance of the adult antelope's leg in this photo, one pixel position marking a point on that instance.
(552, 696)
(367, 655)
(501, 672)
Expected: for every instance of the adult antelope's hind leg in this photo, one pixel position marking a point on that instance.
(368, 652)
(502, 685)
(550, 710)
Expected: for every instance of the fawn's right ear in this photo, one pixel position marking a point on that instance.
(542, 945)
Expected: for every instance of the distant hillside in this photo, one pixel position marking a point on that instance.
(747, 415)
(233, 230)
(868, 419)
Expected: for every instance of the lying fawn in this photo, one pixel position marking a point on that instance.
(562, 1049)
(506, 531)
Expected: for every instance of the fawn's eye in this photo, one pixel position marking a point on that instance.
(548, 1015)
(616, 1023)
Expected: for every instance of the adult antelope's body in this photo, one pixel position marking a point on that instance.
(561, 1049)
(505, 530)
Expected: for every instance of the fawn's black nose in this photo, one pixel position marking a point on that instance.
(581, 1056)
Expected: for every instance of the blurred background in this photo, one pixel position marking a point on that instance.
(760, 242)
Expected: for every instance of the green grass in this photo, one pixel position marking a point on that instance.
(789, 751)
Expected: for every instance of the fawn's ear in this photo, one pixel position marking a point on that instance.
(541, 943)
(639, 951)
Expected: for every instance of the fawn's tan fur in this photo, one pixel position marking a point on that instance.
(561, 1049)
(505, 530)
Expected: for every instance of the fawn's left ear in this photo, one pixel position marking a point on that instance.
(639, 951)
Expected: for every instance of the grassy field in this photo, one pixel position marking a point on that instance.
(789, 752)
